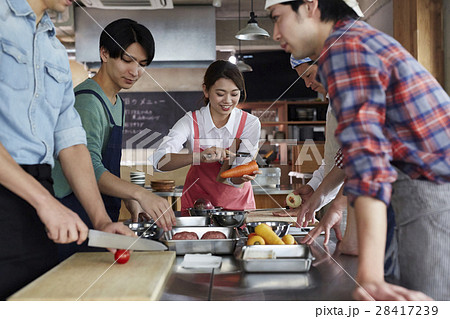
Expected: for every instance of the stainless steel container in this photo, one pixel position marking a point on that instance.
(270, 177)
(275, 258)
(201, 246)
(192, 221)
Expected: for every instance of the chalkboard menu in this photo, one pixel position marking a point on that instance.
(150, 115)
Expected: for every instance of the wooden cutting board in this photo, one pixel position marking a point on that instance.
(93, 276)
(262, 216)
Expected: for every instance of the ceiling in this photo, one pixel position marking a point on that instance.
(227, 24)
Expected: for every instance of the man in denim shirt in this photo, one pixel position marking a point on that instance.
(37, 122)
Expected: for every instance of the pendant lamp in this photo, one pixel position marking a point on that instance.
(252, 31)
(242, 66)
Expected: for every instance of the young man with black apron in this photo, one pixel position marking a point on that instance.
(126, 47)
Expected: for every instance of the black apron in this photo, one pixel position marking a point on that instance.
(111, 158)
(25, 250)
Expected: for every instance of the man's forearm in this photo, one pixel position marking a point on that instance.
(172, 161)
(371, 224)
(77, 167)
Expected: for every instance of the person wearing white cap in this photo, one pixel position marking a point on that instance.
(394, 128)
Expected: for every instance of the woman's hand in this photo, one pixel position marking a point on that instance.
(245, 178)
(213, 154)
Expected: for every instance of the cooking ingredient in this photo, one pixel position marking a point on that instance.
(214, 235)
(122, 256)
(289, 240)
(185, 235)
(266, 232)
(251, 235)
(293, 200)
(255, 240)
(202, 203)
(241, 170)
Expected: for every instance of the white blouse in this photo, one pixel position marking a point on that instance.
(210, 135)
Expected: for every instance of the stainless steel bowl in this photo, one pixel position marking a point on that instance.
(280, 228)
(147, 229)
(229, 218)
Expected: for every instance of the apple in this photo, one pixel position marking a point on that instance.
(293, 200)
(203, 204)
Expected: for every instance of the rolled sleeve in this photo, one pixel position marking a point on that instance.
(318, 177)
(70, 137)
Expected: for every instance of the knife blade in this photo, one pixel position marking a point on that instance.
(108, 240)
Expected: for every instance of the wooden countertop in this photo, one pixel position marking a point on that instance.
(93, 276)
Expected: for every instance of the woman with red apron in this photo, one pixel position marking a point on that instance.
(212, 133)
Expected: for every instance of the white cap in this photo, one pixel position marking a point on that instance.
(351, 3)
(272, 2)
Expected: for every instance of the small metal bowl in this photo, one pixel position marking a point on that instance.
(229, 218)
(280, 228)
(147, 229)
(203, 212)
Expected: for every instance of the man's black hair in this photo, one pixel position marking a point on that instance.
(330, 10)
(120, 34)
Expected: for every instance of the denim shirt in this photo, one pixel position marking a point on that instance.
(37, 116)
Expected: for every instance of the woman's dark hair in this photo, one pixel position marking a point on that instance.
(222, 69)
(120, 34)
(330, 10)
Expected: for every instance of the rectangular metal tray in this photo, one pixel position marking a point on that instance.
(201, 246)
(289, 258)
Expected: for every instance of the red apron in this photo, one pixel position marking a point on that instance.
(201, 181)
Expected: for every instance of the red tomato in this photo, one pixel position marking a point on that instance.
(122, 256)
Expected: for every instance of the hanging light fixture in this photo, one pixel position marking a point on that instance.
(252, 31)
(242, 66)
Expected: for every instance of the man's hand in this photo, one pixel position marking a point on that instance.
(117, 228)
(136, 210)
(305, 193)
(385, 291)
(331, 220)
(158, 209)
(63, 226)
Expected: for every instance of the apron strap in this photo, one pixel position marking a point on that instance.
(196, 132)
(241, 124)
(103, 103)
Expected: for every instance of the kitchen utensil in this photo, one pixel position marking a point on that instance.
(192, 221)
(280, 228)
(288, 258)
(201, 246)
(107, 240)
(243, 154)
(92, 276)
(145, 229)
(234, 218)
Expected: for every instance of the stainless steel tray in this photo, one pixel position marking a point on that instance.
(192, 221)
(201, 246)
(288, 258)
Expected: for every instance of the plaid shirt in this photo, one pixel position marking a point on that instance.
(390, 110)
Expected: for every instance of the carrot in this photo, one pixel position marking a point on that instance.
(241, 170)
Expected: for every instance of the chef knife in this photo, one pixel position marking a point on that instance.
(108, 240)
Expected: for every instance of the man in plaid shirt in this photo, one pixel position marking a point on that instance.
(394, 128)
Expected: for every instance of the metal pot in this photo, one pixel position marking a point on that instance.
(146, 229)
(230, 218)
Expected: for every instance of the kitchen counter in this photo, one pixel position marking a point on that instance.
(265, 197)
(326, 280)
(257, 190)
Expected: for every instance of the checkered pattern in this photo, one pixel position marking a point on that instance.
(339, 159)
(390, 111)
